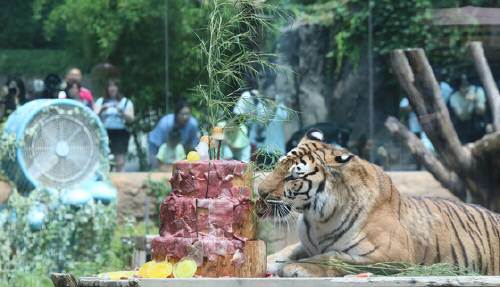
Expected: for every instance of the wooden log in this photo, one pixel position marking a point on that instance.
(99, 282)
(245, 221)
(63, 280)
(255, 260)
(448, 178)
(476, 164)
(254, 265)
(417, 79)
(488, 145)
(489, 84)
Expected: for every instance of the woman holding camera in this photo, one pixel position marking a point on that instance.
(13, 95)
(116, 111)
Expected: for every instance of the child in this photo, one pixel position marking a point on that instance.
(170, 152)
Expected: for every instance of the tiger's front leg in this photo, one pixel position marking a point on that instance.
(276, 261)
(304, 267)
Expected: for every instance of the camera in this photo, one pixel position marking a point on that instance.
(12, 91)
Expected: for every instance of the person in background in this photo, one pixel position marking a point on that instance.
(406, 109)
(412, 119)
(116, 111)
(52, 86)
(273, 138)
(34, 89)
(72, 91)
(267, 131)
(446, 91)
(468, 111)
(171, 151)
(12, 96)
(236, 143)
(180, 121)
(251, 107)
(74, 74)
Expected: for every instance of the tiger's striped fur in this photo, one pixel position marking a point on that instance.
(351, 210)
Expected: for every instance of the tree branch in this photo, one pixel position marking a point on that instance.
(489, 145)
(484, 71)
(417, 79)
(447, 178)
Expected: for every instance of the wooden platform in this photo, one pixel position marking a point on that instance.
(296, 282)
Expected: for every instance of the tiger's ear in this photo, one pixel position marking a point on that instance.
(315, 135)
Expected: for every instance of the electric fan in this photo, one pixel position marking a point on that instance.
(55, 144)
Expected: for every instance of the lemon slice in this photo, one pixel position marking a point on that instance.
(160, 270)
(193, 156)
(186, 268)
(144, 270)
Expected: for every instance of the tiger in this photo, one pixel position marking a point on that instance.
(350, 210)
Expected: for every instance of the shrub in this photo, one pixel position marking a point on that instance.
(72, 238)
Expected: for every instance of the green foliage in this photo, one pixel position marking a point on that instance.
(27, 257)
(128, 33)
(70, 237)
(230, 55)
(266, 160)
(159, 190)
(35, 62)
(19, 29)
(131, 35)
(186, 22)
(396, 268)
(100, 22)
(395, 24)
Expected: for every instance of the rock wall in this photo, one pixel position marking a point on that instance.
(132, 201)
(309, 83)
(300, 83)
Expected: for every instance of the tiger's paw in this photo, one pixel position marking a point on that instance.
(300, 270)
(274, 268)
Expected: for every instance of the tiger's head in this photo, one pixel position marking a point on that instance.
(318, 177)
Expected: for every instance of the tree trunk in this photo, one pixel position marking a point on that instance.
(471, 172)
(483, 69)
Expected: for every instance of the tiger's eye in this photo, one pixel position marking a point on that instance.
(343, 158)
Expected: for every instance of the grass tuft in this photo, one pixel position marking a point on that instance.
(396, 268)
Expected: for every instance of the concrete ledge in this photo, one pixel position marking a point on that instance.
(299, 282)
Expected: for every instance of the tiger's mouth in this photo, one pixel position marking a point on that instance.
(272, 208)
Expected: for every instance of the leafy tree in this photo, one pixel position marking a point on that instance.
(131, 35)
(19, 29)
(396, 24)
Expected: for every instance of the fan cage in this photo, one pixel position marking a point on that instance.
(59, 144)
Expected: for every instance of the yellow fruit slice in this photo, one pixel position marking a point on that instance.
(144, 269)
(118, 275)
(160, 270)
(193, 156)
(186, 268)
